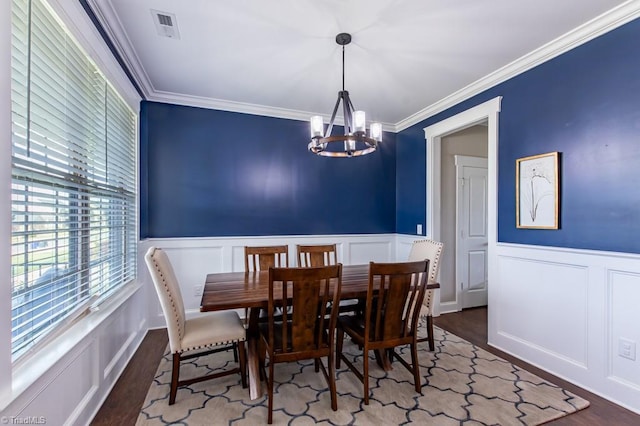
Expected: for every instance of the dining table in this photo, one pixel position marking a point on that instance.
(240, 290)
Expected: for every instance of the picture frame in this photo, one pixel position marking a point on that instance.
(537, 204)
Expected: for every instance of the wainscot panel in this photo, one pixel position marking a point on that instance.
(68, 380)
(565, 311)
(623, 296)
(78, 369)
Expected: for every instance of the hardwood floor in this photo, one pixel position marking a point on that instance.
(125, 400)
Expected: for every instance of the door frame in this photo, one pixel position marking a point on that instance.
(462, 161)
(488, 111)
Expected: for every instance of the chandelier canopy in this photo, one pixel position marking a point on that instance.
(354, 141)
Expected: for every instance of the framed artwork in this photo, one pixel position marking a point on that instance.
(537, 191)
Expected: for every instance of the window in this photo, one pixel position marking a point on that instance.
(73, 178)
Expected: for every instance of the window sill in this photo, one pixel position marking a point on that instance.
(25, 374)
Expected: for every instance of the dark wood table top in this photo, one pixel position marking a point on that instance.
(235, 290)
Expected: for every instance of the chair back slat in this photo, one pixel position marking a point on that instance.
(261, 258)
(393, 324)
(395, 293)
(304, 316)
(317, 255)
(303, 294)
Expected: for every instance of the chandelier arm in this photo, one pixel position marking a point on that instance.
(333, 117)
(351, 107)
(347, 112)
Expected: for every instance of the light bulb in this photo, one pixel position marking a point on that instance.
(375, 131)
(359, 121)
(317, 126)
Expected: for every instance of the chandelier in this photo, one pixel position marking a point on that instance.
(354, 141)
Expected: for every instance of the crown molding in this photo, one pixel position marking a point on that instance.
(602, 24)
(112, 25)
(104, 12)
(244, 108)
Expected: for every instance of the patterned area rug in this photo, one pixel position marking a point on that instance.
(462, 384)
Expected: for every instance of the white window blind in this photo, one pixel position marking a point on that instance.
(74, 177)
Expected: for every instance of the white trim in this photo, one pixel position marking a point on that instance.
(488, 111)
(105, 14)
(598, 26)
(469, 161)
(5, 196)
(570, 251)
(112, 25)
(245, 108)
(55, 331)
(602, 24)
(448, 307)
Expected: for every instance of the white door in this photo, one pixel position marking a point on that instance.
(471, 228)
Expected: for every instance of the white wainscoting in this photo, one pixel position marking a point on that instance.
(67, 382)
(194, 258)
(565, 310)
(562, 310)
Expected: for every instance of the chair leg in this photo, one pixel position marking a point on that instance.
(365, 376)
(270, 390)
(416, 367)
(316, 363)
(332, 382)
(243, 364)
(261, 358)
(339, 341)
(175, 375)
(432, 345)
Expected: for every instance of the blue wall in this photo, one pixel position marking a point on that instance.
(214, 173)
(584, 104)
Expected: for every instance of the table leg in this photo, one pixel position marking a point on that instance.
(382, 358)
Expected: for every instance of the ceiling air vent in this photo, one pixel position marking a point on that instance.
(166, 24)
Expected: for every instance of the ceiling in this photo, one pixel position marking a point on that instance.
(280, 58)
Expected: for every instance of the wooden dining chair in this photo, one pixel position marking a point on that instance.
(302, 331)
(199, 336)
(261, 258)
(316, 255)
(394, 297)
(324, 255)
(431, 250)
(265, 257)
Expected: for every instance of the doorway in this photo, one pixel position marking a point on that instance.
(488, 113)
(463, 232)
